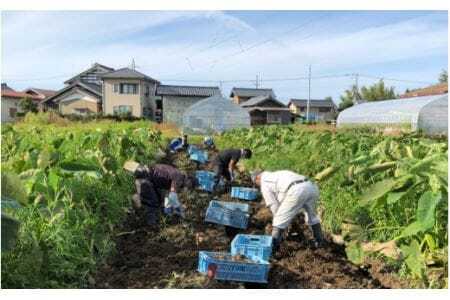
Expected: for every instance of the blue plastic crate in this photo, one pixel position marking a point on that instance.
(228, 214)
(244, 193)
(192, 149)
(200, 156)
(205, 174)
(254, 247)
(226, 268)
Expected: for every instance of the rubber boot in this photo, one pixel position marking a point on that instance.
(277, 236)
(318, 236)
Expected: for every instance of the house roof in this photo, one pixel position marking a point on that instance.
(249, 92)
(259, 100)
(94, 89)
(41, 92)
(95, 65)
(265, 108)
(436, 89)
(5, 87)
(128, 74)
(313, 102)
(184, 90)
(18, 95)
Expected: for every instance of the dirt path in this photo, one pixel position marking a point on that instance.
(168, 258)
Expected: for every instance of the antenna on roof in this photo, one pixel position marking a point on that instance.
(133, 64)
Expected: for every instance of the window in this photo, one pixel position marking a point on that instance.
(324, 109)
(116, 87)
(128, 88)
(147, 90)
(302, 109)
(12, 112)
(273, 118)
(122, 109)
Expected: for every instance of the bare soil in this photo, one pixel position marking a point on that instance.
(167, 257)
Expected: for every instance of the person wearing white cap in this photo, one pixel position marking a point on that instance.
(286, 193)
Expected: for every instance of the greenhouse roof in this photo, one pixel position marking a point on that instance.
(395, 111)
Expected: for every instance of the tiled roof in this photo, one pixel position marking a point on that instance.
(437, 89)
(18, 95)
(184, 90)
(91, 87)
(5, 87)
(313, 102)
(249, 92)
(94, 66)
(128, 74)
(260, 99)
(45, 93)
(266, 108)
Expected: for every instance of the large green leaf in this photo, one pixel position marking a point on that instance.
(425, 214)
(378, 190)
(394, 197)
(355, 253)
(414, 259)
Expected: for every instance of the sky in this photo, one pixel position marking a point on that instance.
(230, 48)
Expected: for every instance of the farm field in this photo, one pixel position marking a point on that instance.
(383, 205)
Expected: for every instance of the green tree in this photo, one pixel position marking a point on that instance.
(443, 77)
(377, 92)
(28, 105)
(349, 97)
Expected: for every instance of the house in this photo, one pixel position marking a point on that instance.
(437, 89)
(319, 109)
(41, 93)
(129, 91)
(174, 100)
(265, 109)
(101, 89)
(82, 93)
(10, 102)
(240, 95)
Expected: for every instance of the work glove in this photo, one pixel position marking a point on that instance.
(277, 237)
(318, 236)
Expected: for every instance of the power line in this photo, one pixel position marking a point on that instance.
(395, 79)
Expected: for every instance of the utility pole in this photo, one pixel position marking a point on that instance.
(257, 81)
(309, 94)
(133, 64)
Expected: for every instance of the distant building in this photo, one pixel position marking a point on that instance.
(265, 109)
(101, 89)
(319, 110)
(437, 89)
(240, 95)
(10, 102)
(174, 100)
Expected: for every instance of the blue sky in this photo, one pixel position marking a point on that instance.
(42, 49)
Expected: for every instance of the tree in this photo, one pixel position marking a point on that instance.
(377, 92)
(349, 97)
(28, 105)
(443, 77)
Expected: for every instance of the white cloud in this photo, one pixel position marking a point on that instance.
(66, 43)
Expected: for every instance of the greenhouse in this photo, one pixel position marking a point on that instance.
(214, 115)
(428, 114)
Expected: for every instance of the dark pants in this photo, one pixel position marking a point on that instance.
(221, 170)
(151, 197)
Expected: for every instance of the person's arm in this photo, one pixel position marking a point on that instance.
(231, 167)
(270, 199)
